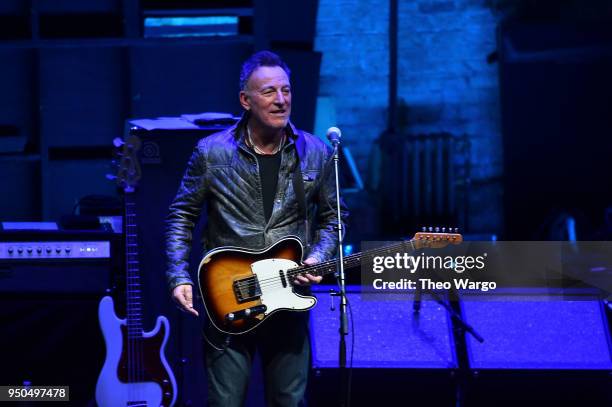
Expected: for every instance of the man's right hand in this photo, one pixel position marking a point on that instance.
(183, 296)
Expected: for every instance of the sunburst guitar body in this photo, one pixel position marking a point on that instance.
(241, 288)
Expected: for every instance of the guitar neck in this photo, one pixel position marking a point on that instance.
(354, 260)
(132, 268)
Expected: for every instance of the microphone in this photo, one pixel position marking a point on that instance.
(333, 135)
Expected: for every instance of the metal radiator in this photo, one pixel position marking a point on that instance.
(425, 180)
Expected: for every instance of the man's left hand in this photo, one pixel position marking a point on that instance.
(307, 278)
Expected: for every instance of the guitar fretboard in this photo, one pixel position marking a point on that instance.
(133, 280)
(354, 260)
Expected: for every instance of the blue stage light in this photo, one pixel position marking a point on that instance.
(197, 26)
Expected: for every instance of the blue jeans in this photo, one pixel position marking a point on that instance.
(284, 348)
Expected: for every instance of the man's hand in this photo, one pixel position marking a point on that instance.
(308, 279)
(183, 296)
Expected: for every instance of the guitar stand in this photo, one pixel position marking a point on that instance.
(460, 327)
(458, 321)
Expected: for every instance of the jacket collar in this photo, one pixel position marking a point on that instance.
(293, 134)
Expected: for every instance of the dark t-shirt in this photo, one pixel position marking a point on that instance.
(269, 166)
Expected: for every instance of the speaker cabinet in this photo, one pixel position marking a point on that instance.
(396, 355)
(51, 340)
(539, 348)
(163, 159)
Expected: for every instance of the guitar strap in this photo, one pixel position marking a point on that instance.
(298, 187)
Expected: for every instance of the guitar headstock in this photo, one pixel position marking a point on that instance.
(128, 168)
(436, 237)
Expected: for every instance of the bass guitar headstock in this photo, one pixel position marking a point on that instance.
(128, 167)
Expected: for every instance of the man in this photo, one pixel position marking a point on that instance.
(244, 176)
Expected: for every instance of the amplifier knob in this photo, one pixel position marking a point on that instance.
(20, 250)
(67, 249)
(29, 250)
(58, 250)
(48, 249)
(39, 250)
(11, 250)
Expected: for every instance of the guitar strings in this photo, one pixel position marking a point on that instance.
(318, 269)
(134, 323)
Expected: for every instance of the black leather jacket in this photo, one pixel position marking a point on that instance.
(223, 177)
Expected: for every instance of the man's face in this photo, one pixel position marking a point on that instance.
(268, 97)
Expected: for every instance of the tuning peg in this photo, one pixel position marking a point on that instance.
(443, 230)
(117, 142)
(431, 229)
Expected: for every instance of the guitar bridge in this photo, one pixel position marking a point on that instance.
(247, 289)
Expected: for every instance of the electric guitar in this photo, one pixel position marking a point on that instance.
(241, 288)
(135, 371)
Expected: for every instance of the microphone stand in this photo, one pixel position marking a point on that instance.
(343, 331)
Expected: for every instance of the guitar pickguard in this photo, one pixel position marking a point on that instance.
(274, 294)
(111, 389)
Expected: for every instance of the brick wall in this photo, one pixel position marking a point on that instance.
(444, 83)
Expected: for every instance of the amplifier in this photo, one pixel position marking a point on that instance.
(532, 329)
(396, 355)
(56, 262)
(384, 325)
(46, 250)
(540, 348)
